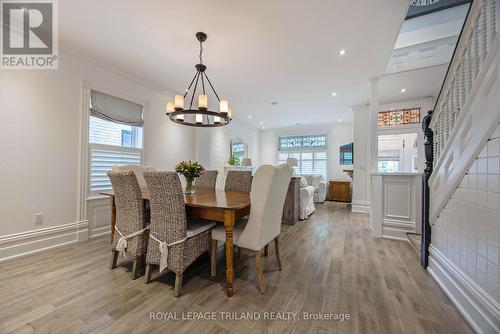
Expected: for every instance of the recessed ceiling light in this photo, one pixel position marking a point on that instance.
(340, 120)
(342, 52)
(260, 122)
(250, 116)
(403, 90)
(263, 127)
(334, 94)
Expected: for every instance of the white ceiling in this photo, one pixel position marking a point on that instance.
(257, 51)
(419, 83)
(427, 40)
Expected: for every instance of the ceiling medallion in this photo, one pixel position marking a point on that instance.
(201, 116)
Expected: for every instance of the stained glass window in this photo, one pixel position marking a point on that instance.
(295, 142)
(399, 117)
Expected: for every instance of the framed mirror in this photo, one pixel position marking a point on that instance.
(238, 151)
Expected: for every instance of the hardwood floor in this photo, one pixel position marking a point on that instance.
(331, 264)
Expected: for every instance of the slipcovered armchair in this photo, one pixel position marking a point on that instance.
(319, 184)
(306, 200)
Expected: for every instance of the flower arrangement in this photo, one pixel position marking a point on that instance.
(190, 170)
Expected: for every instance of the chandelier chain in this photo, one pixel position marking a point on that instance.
(201, 52)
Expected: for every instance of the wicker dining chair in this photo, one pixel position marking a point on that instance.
(131, 238)
(238, 180)
(207, 180)
(174, 243)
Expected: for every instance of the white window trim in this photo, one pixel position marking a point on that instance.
(84, 161)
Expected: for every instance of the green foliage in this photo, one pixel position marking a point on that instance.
(234, 160)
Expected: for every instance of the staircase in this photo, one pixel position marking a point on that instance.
(466, 112)
(462, 201)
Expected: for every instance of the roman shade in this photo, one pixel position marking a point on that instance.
(114, 109)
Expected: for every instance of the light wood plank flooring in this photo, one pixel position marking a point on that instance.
(330, 264)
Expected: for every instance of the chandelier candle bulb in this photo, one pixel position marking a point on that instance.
(203, 102)
(223, 106)
(199, 118)
(179, 102)
(170, 106)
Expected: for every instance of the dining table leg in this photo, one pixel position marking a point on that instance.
(113, 216)
(229, 221)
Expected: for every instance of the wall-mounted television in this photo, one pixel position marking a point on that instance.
(347, 154)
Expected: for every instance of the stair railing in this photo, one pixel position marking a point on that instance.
(464, 112)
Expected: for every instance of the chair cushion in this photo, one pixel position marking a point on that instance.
(195, 227)
(219, 232)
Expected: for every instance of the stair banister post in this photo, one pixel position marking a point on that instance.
(429, 163)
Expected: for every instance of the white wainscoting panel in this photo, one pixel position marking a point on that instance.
(29, 242)
(396, 208)
(99, 215)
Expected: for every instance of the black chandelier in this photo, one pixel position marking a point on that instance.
(201, 117)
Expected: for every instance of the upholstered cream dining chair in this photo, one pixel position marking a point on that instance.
(269, 187)
(131, 237)
(174, 243)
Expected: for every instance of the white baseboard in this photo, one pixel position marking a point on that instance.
(480, 310)
(360, 207)
(24, 243)
(99, 232)
(394, 229)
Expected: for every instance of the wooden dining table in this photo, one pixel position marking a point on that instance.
(224, 207)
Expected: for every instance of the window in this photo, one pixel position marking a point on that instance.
(346, 154)
(115, 138)
(307, 162)
(298, 142)
(308, 150)
(399, 117)
(397, 153)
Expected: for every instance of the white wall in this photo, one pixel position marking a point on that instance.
(465, 245)
(40, 133)
(213, 146)
(338, 134)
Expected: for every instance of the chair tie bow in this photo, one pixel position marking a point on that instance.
(163, 248)
(121, 245)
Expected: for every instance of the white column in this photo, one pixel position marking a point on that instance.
(361, 178)
(373, 128)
